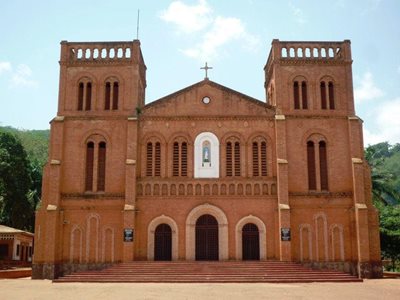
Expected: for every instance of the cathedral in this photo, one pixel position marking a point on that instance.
(206, 173)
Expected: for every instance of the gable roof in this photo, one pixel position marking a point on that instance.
(213, 84)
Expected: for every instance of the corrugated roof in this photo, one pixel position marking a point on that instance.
(6, 229)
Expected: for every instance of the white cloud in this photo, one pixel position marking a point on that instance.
(188, 18)
(387, 123)
(215, 32)
(223, 31)
(366, 89)
(21, 77)
(298, 14)
(5, 66)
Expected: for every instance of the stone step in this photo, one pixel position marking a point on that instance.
(271, 271)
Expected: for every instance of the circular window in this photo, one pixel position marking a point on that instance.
(206, 100)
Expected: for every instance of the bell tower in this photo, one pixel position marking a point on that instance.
(92, 158)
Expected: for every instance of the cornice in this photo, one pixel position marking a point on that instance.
(348, 194)
(88, 196)
(308, 61)
(207, 118)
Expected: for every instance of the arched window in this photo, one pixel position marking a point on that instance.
(101, 167)
(89, 166)
(259, 151)
(296, 95)
(179, 159)
(300, 95)
(323, 166)
(85, 94)
(327, 95)
(153, 159)
(111, 94)
(304, 95)
(96, 145)
(312, 180)
(317, 165)
(233, 167)
(323, 94)
(331, 95)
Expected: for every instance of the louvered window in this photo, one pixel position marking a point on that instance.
(157, 160)
(184, 159)
(255, 160)
(263, 159)
(229, 159)
(149, 159)
(237, 159)
(175, 160)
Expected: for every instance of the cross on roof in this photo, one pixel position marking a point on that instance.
(206, 68)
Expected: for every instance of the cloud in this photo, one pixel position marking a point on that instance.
(298, 14)
(366, 89)
(223, 31)
(188, 18)
(215, 32)
(387, 123)
(5, 66)
(21, 77)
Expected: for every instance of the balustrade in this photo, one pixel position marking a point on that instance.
(158, 187)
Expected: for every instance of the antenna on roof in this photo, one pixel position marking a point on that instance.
(137, 25)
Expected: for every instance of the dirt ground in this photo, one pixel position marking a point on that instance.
(44, 289)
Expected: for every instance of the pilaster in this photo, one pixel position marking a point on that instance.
(282, 189)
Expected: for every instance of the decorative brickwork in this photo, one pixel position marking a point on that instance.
(127, 181)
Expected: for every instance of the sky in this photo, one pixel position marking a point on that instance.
(177, 37)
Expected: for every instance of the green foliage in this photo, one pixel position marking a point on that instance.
(390, 233)
(384, 161)
(17, 203)
(35, 143)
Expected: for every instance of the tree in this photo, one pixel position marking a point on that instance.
(16, 198)
(383, 180)
(390, 233)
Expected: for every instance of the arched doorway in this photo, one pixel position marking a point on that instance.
(206, 238)
(163, 242)
(250, 242)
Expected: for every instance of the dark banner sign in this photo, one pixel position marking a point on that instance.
(128, 235)
(285, 234)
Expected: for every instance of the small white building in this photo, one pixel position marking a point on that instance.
(15, 245)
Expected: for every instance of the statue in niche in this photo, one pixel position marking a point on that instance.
(206, 160)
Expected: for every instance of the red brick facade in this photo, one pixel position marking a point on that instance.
(255, 169)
